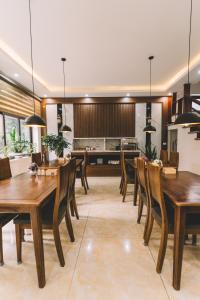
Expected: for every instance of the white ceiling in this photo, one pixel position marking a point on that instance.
(106, 43)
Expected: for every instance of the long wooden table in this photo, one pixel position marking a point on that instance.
(183, 191)
(26, 194)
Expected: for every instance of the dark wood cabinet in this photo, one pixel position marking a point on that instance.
(104, 120)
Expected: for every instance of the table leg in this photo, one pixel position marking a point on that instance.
(38, 245)
(135, 189)
(179, 232)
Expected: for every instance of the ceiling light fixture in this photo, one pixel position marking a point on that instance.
(127, 95)
(16, 75)
(149, 128)
(64, 127)
(86, 95)
(188, 118)
(33, 120)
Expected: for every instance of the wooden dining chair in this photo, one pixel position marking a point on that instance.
(164, 157)
(143, 192)
(174, 160)
(71, 189)
(163, 213)
(126, 177)
(5, 218)
(55, 209)
(37, 158)
(81, 172)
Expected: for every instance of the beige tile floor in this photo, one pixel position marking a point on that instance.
(107, 261)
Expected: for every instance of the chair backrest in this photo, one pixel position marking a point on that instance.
(72, 178)
(85, 163)
(141, 172)
(37, 158)
(174, 159)
(62, 188)
(5, 171)
(164, 156)
(155, 189)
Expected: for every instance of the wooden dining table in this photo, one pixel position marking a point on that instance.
(183, 191)
(27, 194)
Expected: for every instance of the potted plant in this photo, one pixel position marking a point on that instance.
(151, 152)
(18, 145)
(55, 143)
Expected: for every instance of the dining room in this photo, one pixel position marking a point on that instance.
(99, 150)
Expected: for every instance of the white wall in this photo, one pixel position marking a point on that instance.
(140, 123)
(70, 122)
(52, 124)
(189, 150)
(156, 116)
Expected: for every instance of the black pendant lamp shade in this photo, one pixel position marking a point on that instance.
(188, 118)
(64, 127)
(33, 120)
(149, 128)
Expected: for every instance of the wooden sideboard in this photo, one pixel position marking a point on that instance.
(98, 161)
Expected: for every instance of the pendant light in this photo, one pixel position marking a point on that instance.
(64, 127)
(33, 120)
(188, 118)
(149, 128)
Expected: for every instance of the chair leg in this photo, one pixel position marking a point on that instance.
(69, 225)
(75, 208)
(84, 184)
(140, 209)
(58, 245)
(124, 191)
(162, 249)
(72, 208)
(149, 230)
(194, 239)
(147, 221)
(18, 233)
(1, 248)
(86, 181)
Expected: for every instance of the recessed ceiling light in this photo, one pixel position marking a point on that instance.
(199, 72)
(128, 95)
(16, 75)
(86, 95)
(45, 95)
(169, 94)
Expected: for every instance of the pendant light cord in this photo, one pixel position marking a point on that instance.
(63, 60)
(150, 76)
(31, 40)
(189, 49)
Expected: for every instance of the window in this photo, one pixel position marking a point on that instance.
(1, 132)
(24, 131)
(11, 127)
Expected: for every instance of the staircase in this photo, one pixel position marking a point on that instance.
(195, 108)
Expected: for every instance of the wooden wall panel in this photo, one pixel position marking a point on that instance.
(104, 120)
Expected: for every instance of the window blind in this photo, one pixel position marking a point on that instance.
(16, 102)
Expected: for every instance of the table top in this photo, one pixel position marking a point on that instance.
(55, 164)
(25, 190)
(182, 188)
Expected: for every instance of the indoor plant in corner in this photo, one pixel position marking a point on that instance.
(55, 143)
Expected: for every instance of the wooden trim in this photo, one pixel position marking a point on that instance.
(96, 100)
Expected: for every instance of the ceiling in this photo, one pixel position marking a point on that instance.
(106, 43)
